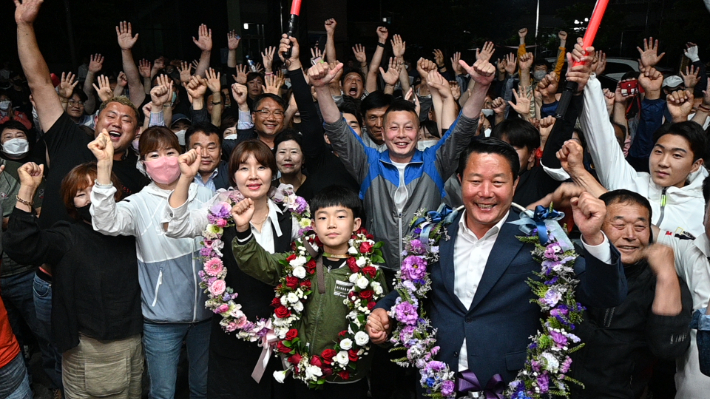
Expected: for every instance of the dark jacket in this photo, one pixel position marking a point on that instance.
(501, 318)
(623, 342)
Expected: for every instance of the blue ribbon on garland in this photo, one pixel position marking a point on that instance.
(545, 221)
(426, 223)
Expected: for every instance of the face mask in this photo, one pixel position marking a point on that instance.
(487, 132)
(181, 136)
(487, 112)
(4, 105)
(424, 144)
(231, 136)
(16, 147)
(163, 170)
(172, 102)
(84, 213)
(539, 75)
(134, 144)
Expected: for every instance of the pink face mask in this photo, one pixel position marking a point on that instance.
(163, 170)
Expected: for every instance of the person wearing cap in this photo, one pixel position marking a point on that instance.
(179, 125)
(672, 83)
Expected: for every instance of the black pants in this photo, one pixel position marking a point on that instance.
(354, 390)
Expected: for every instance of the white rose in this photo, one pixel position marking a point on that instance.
(299, 261)
(353, 278)
(352, 250)
(299, 272)
(346, 344)
(361, 261)
(361, 338)
(280, 376)
(342, 358)
(362, 282)
(291, 297)
(313, 372)
(298, 306)
(284, 300)
(377, 289)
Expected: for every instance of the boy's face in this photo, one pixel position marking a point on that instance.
(334, 226)
(671, 161)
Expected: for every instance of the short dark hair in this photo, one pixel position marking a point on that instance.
(690, 131)
(286, 135)
(399, 105)
(542, 62)
(376, 99)
(334, 196)
(253, 75)
(157, 137)
(261, 152)
(706, 190)
(627, 196)
(518, 132)
(78, 92)
(430, 127)
(227, 122)
(14, 124)
(206, 128)
(351, 106)
(490, 145)
(264, 96)
(353, 70)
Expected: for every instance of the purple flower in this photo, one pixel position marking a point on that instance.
(566, 365)
(535, 365)
(543, 382)
(435, 366)
(406, 333)
(552, 297)
(417, 247)
(559, 339)
(301, 205)
(553, 250)
(414, 268)
(220, 210)
(205, 251)
(447, 388)
(406, 313)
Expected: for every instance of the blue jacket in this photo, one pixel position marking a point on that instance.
(501, 318)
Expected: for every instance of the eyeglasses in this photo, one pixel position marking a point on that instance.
(76, 102)
(265, 112)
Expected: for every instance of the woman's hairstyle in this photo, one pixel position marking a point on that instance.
(80, 178)
(286, 135)
(157, 137)
(241, 153)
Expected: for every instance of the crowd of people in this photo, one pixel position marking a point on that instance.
(116, 239)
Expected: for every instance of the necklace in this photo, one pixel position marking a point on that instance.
(334, 256)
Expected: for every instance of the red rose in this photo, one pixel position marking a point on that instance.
(292, 282)
(318, 242)
(291, 257)
(352, 355)
(328, 355)
(315, 360)
(311, 266)
(367, 294)
(352, 264)
(276, 302)
(291, 334)
(344, 375)
(306, 283)
(343, 333)
(370, 271)
(295, 359)
(371, 305)
(327, 371)
(281, 348)
(370, 236)
(282, 312)
(365, 247)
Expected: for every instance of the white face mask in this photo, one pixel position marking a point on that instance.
(181, 136)
(424, 144)
(232, 136)
(487, 112)
(487, 132)
(16, 147)
(4, 105)
(539, 75)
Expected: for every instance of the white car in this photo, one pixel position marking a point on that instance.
(616, 67)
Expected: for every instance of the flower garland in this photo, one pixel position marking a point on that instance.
(220, 297)
(293, 291)
(547, 361)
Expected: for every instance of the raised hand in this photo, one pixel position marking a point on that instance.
(197, 87)
(458, 70)
(321, 74)
(204, 38)
(66, 85)
(548, 85)
(360, 55)
(690, 77)
(522, 33)
(213, 80)
(413, 98)
(26, 12)
(330, 25)
(392, 75)
(122, 79)
(649, 54)
(144, 68)
(589, 214)
(599, 62)
(233, 40)
(526, 61)
(438, 84)
(30, 174)
(455, 90)
(103, 89)
(571, 156)
(691, 51)
(102, 148)
(241, 76)
(661, 260)
(162, 93)
(267, 56)
(239, 92)
(158, 64)
(382, 33)
(498, 105)
(562, 35)
(482, 72)
(609, 99)
(185, 70)
(680, 104)
(511, 62)
(521, 104)
(439, 58)
(316, 54)
(398, 46)
(242, 212)
(651, 80)
(273, 84)
(126, 40)
(96, 63)
(189, 163)
(486, 52)
(546, 125)
(286, 43)
(582, 72)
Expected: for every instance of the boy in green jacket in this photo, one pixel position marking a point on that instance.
(325, 289)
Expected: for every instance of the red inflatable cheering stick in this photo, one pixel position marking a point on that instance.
(587, 41)
(293, 23)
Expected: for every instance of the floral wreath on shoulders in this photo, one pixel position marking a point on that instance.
(292, 292)
(548, 361)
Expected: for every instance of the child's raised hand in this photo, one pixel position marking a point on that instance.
(242, 213)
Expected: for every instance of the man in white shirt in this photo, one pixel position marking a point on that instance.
(480, 302)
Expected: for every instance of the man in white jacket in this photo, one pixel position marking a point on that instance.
(674, 185)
